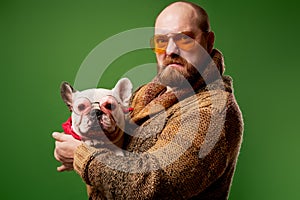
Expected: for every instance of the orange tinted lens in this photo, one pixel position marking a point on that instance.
(159, 43)
(184, 42)
(159, 51)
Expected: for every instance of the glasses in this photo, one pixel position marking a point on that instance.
(83, 105)
(183, 40)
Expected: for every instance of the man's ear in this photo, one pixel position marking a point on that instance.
(123, 90)
(66, 91)
(210, 42)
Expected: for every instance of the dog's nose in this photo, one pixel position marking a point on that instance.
(96, 113)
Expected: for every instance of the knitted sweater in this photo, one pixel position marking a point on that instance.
(183, 149)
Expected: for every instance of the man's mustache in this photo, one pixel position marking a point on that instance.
(178, 60)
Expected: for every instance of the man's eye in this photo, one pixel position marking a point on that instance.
(183, 38)
(160, 41)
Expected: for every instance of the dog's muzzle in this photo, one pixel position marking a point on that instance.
(102, 120)
(96, 114)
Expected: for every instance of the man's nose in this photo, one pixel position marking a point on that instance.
(172, 48)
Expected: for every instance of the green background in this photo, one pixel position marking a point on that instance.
(44, 43)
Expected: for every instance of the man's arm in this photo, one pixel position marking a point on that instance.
(146, 175)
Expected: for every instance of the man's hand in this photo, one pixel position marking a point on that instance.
(65, 146)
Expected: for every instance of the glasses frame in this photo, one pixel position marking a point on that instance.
(189, 34)
(88, 110)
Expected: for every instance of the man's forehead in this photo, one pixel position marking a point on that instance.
(176, 22)
(166, 31)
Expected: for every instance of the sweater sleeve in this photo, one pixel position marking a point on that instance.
(182, 163)
(118, 177)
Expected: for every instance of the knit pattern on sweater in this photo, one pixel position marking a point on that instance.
(178, 150)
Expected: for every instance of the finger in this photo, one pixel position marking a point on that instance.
(62, 137)
(59, 157)
(64, 168)
(58, 136)
(66, 148)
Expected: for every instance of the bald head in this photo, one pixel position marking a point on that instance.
(185, 12)
(184, 42)
(186, 17)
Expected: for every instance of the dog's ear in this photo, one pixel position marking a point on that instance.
(66, 91)
(123, 90)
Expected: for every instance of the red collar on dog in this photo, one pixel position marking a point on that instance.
(67, 126)
(127, 110)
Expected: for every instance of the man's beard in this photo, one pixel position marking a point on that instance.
(183, 77)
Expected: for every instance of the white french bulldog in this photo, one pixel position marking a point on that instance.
(98, 115)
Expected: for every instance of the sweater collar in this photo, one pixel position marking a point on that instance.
(153, 98)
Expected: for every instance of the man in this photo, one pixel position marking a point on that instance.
(186, 127)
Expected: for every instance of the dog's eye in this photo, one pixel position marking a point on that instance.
(81, 107)
(110, 106)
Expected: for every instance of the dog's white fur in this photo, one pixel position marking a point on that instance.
(101, 126)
